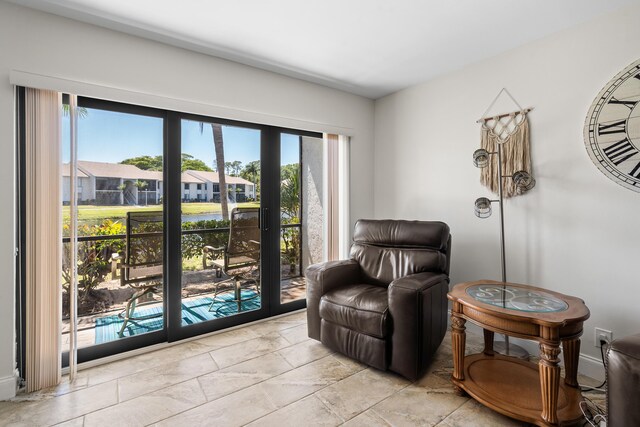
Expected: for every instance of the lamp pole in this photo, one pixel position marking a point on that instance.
(502, 250)
(519, 351)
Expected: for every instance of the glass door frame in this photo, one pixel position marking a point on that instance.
(173, 191)
(277, 307)
(270, 149)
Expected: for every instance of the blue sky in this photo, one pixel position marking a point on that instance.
(106, 136)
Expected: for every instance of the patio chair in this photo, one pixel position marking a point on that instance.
(239, 259)
(142, 265)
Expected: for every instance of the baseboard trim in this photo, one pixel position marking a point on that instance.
(591, 367)
(8, 387)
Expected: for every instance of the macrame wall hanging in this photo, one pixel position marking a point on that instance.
(511, 131)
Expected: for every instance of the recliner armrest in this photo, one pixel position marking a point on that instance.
(321, 278)
(331, 274)
(417, 282)
(418, 308)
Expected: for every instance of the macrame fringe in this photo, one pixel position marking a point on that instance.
(516, 156)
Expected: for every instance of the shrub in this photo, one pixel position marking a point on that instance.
(193, 243)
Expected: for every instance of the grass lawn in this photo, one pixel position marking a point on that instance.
(92, 212)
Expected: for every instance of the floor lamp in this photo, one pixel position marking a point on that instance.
(524, 182)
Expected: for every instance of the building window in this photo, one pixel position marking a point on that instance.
(216, 188)
(199, 186)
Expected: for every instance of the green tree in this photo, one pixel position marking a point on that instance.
(290, 190)
(233, 168)
(152, 163)
(191, 163)
(290, 181)
(251, 172)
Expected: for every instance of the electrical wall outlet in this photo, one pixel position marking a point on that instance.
(602, 335)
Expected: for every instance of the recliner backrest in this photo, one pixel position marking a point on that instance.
(390, 249)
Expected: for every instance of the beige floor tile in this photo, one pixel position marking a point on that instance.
(225, 339)
(304, 352)
(300, 315)
(236, 377)
(348, 398)
(367, 418)
(272, 374)
(246, 350)
(349, 362)
(164, 375)
(65, 386)
(305, 380)
(66, 407)
(76, 422)
(275, 325)
(11, 412)
(143, 362)
(235, 409)
(474, 414)
(149, 408)
(307, 411)
(417, 406)
(296, 334)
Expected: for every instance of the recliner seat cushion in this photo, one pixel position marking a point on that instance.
(362, 308)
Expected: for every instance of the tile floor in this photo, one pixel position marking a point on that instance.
(266, 374)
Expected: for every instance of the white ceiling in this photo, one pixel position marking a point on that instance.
(367, 47)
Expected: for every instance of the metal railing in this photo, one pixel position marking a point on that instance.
(98, 238)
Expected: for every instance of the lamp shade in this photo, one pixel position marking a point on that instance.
(523, 180)
(481, 158)
(482, 207)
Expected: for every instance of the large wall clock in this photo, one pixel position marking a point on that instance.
(612, 128)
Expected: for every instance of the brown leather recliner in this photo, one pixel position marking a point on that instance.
(623, 382)
(387, 305)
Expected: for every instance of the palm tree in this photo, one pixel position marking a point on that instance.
(141, 185)
(251, 172)
(218, 144)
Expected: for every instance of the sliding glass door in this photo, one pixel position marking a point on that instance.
(221, 254)
(301, 213)
(120, 227)
(187, 224)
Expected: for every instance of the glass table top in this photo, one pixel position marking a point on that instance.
(515, 298)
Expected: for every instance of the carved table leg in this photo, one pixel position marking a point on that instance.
(550, 381)
(488, 342)
(571, 351)
(458, 338)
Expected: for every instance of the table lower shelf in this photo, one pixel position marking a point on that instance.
(512, 387)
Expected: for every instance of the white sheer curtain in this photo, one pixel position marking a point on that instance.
(43, 238)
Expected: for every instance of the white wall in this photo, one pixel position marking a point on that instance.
(48, 45)
(577, 232)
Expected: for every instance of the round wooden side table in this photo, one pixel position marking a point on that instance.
(514, 387)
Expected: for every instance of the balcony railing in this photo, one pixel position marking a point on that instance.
(97, 271)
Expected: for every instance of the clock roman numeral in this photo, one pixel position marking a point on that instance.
(615, 127)
(621, 151)
(635, 172)
(637, 76)
(628, 104)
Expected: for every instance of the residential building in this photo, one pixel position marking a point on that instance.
(240, 189)
(104, 184)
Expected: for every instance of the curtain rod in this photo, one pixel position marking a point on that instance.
(499, 116)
